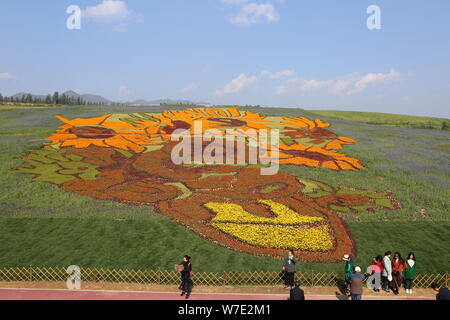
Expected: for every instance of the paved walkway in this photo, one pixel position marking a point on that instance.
(63, 294)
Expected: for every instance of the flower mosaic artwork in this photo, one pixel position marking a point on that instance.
(127, 158)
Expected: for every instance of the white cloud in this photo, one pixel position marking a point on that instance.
(277, 75)
(371, 78)
(124, 91)
(237, 84)
(301, 85)
(242, 81)
(346, 85)
(255, 13)
(7, 76)
(190, 87)
(107, 11)
(341, 85)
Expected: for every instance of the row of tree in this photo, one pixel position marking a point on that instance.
(56, 98)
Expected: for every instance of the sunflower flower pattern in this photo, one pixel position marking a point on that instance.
(127, 158)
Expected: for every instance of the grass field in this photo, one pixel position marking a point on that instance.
(158, 243)
(19, 106)
(388, 119)
(43, 225)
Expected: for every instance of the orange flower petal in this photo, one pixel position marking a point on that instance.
(234, 112)
(84, 143)
(344, 165)
(347, 139)
(330, 165)
(87, 121)
(122, 143)
(321, 124)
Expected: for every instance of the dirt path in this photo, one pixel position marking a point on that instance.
(125, 291)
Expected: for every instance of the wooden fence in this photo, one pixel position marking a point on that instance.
(163, 277)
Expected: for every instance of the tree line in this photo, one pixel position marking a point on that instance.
(55, 98)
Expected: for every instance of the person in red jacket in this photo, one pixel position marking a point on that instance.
(378, 262)
(398, 265)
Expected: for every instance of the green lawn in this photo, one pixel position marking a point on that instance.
(43, 225)
(5, 107)
(159, 243)
(387, 119)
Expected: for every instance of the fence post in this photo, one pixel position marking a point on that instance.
(224, 278)
(158, 276)
(94, 275)
(30, 273)
(446, 279)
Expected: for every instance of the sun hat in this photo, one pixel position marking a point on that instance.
(357, 269)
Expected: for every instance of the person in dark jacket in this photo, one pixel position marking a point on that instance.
(356, 287)
(289, 269)
(297, 293)
(185, 269)
(443, 293)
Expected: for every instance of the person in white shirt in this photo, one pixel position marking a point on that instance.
(386, 275)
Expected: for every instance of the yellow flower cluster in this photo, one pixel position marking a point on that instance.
(283, 237)
(229, 212)
(286, 230)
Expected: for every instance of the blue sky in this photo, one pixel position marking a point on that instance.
(287, 53)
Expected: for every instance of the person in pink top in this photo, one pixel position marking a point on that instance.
(377, 262)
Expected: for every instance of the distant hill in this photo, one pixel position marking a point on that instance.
(91, 98)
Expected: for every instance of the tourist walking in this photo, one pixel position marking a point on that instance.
(185, 269)
(289, 269)
(398, 265)
(410, 272)
(386, 275)
(356, 287)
